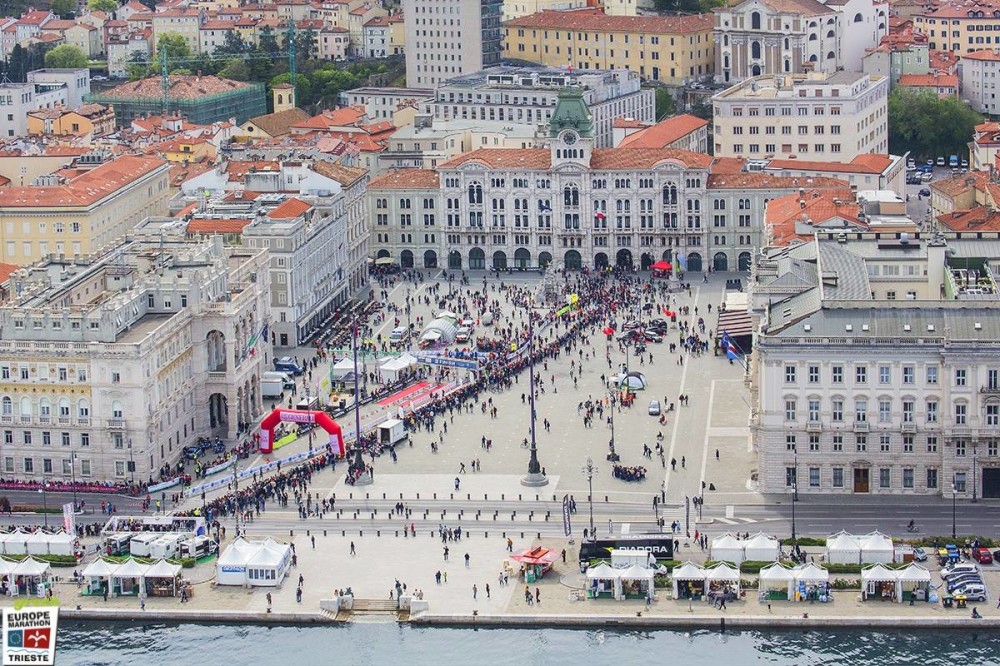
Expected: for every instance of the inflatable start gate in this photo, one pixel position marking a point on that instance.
(300, 416)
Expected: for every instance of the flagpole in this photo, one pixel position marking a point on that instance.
(357, 468)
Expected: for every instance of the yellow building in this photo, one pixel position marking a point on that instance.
(513, 9)
(960, 27)
(84, 214)
(88, 120)
(670, 49)
(397, 35)
(186, 150)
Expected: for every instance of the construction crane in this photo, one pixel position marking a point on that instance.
(165, 62)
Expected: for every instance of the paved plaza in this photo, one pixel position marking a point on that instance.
(715, 420)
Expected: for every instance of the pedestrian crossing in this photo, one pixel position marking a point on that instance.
(735, 521)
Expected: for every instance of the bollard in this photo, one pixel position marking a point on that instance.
(539, 535)
(334, 496)
(373, 516)
(468, 496)
(435, 495)
(444, 512)
(343, 533)
(397, 533)
(530, 517)
(400, 495)
(501, 497)
(519, 497)
(522, 535)
(546, 517)
(504, 535)
(361, 533)
(324, 532)
(350, 496)
(452, 495)
(486, 535)
(530, 514)
(536, 498)
(605, 498)
(366, 496)
(307, 533)
(383, 495)
(494, 517)
(291, 533)
(477, 516)
(553, 498)
(486, 498)
(378, 533)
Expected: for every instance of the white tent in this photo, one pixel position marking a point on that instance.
(98, 574)
(165, 575)
(777, 579)
(811, 574)
(32, 568)
(876, 547)
(761, 548)
(37, 543)
(636, 581)
(914, 580)
(128, 578)
(877, 581)
(31, 577)
(258, 563)
(727, 548)
(598, 576)
(633, 380)
(843, 548)
(394, 368)
(7, 570)
(344, 368)
(61, 543)
(722, 575)
(687, 572)
(16, 543)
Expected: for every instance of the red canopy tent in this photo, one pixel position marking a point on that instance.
(662, 266)
(537, 557)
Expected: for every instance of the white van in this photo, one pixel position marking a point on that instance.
(167, 546)
(398, 336)
(117, 544)
(285, 379)
(487, 319)
(141, 543)
(200, 546)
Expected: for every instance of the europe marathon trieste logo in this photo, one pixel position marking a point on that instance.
(29, 635)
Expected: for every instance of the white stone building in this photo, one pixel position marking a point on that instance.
(980, 76)
(883, 377)
(815, 117)
(528, 95)
(130, 356)
(584, 206)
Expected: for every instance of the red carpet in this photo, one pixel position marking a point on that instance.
(410, 393)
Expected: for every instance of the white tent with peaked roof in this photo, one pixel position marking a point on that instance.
(876, 547)
(761, 548)
(843, 548)
(16, 543)
(727, 548)
(777, 577)
(128, 578)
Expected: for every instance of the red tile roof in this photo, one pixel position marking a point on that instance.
(980, 218)
(86, 190)
(289, 209)
(6, 270)
(181, 87)
(723, 165)
(665, 132)
(406, 179)
(784, 213)
(237, 170)
(601, 159)
(595, 20)
(199, 226)
(985, 54)
(347, 116)
(929, 81)
(763, 181)
(868, 163)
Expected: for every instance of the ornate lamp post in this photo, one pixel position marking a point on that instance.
(534, 477)
(590, 470)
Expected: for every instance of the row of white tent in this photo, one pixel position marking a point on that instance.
(120, 577)
(36, 543)
(253, 563)
(841, 548)
(873, 548)
(391, 369)
(758, 548)
(29, 567)
(912, 578)
(605, 573)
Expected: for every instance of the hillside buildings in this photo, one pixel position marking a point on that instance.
(445, 39)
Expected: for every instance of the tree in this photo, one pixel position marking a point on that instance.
(66, 56)
(234, 44)
(303, 87)
(66, 9)
(106, 6)
(235, 69)
(928, 126)
(664, 104)
(267, 41)
(174, 44)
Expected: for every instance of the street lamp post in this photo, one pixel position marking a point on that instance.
(795, 483)
(534, 477)
(954, 509)
(72, 476)
(795, 491)
(131, 462)
(45, 505)
(590, 470)
(613, 401)
(975, 484)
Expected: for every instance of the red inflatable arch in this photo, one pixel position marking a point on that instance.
(299, 416)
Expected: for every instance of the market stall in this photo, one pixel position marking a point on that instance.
(761, 548)
(62, 543)
(269, 565)
(812, 583)
(535, 562)
(637, 582)
(37, 543)
(31, 578)
(397, 368)
(776, 583)
(723, 582)
(97, 577)
(876, 547)
(231, 567)
(16, 543)
(913, 583)
(128, 578)
(603, 581)
(727, 548)
(6, 576)
(843, 548)
(163, 579)
(343, 370)
(689, 581)
(879, 582)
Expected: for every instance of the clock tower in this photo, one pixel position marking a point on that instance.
(571, 129)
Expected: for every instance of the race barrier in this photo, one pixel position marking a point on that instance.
(219, 468)
(163, 486)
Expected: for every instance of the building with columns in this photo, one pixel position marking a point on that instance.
(876, 369)
(126, 357)
(576, 204)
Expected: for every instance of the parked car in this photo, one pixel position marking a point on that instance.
(982, 555)
(962, 581)
(959, 569)
(919, 554)
(192, 452)
(650, 336)
(925, 192)
(462, 335)
(911, 164)
(654, 407)
(929, 163)
(941, 161)
(972, 592)
(927, 177)
(965, 163)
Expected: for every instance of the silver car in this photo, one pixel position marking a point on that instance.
(654, 407)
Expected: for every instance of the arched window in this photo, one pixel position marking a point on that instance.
(725, 40)
(788, 65)
(83, 409)
(475, 193)
(787, 43)
(755, 21)
(7, 406)
(812, 37)
(44, 407)
(116, 410)
(830, 35)
(831, 55)
(281, 99)
(571, 196)
(26, 406)
(64, 408)
(755, 50)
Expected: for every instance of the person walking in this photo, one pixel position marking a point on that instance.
(510, 545)
(353, 552)
(475, 590)
(466, 560)
(538, 596)
(487, 590)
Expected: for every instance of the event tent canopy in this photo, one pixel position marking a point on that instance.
(100, 568)
(661, 265)
(16, 543)
(761, 548)
(31, 568)
(914, 574)
(689, 571)
(777, 577)
(393, 368)
(634, 380)
(635, 572)
(877, 573)
(61, 543)
(810, 573)
(38, 543)
(344, 368)
(843, 548)
(727, 548)
(163, 569)
(876, 547)
(722, 572)
(603, 571)
(6, 567)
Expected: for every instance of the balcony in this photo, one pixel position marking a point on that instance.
(990, 390)
(45, 419)
(909, 427)
(861, 426)
(217, 376)
(814, 426)
(116, 424)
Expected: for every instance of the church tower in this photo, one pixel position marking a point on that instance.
(571, 129)
(283, 96)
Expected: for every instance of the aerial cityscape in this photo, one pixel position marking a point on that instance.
(663, 316)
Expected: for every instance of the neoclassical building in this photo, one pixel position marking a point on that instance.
(584, 206)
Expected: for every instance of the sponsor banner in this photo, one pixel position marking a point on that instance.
(163, 486)
(298, 417)
(29, 635)
(218, 468)
(69, 518)
(567, 526)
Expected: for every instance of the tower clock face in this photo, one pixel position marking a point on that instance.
(569, 138)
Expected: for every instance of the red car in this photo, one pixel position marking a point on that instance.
(982, 555)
